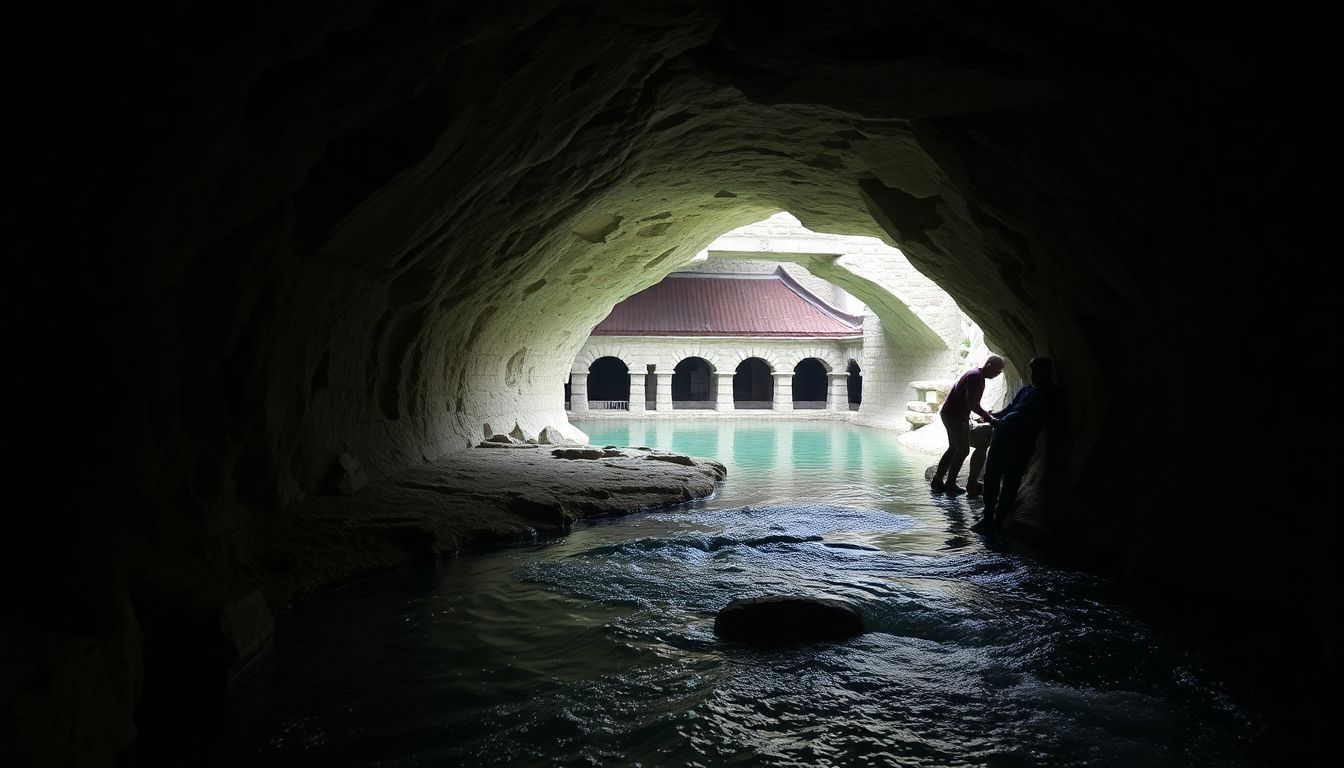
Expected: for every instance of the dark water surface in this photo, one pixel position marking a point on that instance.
(597, 649)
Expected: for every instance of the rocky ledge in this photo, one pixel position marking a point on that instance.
(470, 498)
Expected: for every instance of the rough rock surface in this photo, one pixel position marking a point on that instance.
(787, 618)
(464, 499)
(251, 241)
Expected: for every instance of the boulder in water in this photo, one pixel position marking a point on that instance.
(787, 618)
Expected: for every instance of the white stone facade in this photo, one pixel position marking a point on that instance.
(658, 356)
(912, 331)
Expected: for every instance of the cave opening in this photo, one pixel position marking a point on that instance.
(317, 261)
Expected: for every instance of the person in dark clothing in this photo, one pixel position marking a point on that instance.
(955, 414)
(1014, 441)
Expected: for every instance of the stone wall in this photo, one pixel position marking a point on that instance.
(723, 355)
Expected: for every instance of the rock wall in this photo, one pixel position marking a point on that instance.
(250, 242)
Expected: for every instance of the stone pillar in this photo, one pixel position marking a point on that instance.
(784, 391)
(725, 400)
(637, 392)
(664, 395)
(578, 392)
(839, 392)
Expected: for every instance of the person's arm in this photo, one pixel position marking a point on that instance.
(974, 389)
(1018, 399)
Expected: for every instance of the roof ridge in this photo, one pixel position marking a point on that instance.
(728, 304)
(816, 300)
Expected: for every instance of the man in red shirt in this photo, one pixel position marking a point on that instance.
(956, 414)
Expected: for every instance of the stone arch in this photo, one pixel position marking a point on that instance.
(829, 360)
(753, 383)
(810, 381)
(694, 384)
(770, 356)
(708, 354)
(591, 354)
(910, 323)
(854, 382)
(608, 382)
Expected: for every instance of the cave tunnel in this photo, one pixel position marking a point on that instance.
(261, 258)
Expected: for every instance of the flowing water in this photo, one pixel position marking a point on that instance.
(598, 648)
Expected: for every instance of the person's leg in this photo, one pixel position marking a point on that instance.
(980, 437)
(959, 443)
(943, 461)
(1015, 468)
(937, 482)
(993, 478)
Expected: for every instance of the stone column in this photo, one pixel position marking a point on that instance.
(725, 400)
(839, 392)
(637, 392)
(664, 395)
(578, 392)
(784, 391)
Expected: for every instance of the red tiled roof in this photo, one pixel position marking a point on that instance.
(709, 304)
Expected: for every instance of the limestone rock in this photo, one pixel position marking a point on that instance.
(919, 419)
(787, 618)
(247, 624)
(517, 433)
(347, 475)
(578, 453)
(673, 458)
(933, 385)
(510, 444)
(552, 436)
(919, 406)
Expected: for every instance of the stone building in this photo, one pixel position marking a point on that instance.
(725, 341)
(773, 319)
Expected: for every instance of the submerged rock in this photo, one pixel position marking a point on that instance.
(578, 453)
(510, 444)
(674, 458)
(787, 618)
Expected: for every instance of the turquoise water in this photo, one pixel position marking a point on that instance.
(598, 649)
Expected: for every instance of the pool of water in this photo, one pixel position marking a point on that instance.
(598, 649)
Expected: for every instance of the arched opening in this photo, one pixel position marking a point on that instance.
(809, 384)
(753, 385)
(855, 385)
(608, 385)
(568, 394)
(693, 384)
